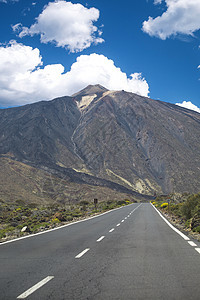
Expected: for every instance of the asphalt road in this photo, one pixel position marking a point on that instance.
(128, 253)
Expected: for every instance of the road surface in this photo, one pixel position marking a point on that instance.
(128, 253)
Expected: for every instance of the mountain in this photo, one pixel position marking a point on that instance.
(112, 140)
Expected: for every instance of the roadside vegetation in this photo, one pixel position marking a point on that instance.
(186, 209)
(19, 219)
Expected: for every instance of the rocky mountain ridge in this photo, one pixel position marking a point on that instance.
(115, 139)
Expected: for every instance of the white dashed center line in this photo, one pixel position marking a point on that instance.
(48, 278)
(82, 253)
(35, 287)
(198, 250)
(192, 244)
(101, 238)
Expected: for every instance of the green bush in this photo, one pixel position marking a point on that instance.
(188, 207)
(20, 226)
(84, 202)
(109, 202)
(196, 229)
(176, 209)
(20, 202)
(2, 234)
(121, 202)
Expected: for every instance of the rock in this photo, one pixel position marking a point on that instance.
(24, 229)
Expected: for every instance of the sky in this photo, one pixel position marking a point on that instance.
(50, 49)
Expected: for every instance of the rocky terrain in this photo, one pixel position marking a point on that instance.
(98, 142)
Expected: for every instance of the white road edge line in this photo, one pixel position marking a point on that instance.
(192, 244)
(198, 250)
(101, 238)
(170, 225)
(82, 253)
(60, 227)
(35, 287)
(111, 230)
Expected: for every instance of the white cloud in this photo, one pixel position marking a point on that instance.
(66, 24)
(95, 68)
(189, 105)
(181, 17)
(157, 2)
(23, 79)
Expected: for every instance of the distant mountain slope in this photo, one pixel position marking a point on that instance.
(151, 144)
(32, 132)
(24, 182)
(143, 145)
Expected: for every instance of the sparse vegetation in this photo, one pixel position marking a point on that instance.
(164, 205)
(187, 209)
(19, 219)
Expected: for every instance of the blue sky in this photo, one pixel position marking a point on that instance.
(55, 48)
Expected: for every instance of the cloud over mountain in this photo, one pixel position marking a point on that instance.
(24, 79)
(66, 25)
(189, 105)
(181, 17)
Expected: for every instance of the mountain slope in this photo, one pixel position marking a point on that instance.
(147, 144)
(143, 145)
